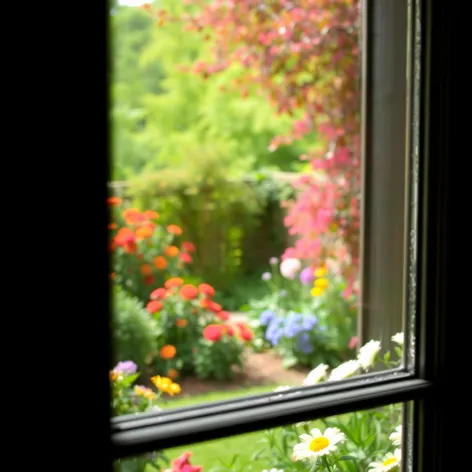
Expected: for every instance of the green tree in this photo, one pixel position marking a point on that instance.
(164, 116)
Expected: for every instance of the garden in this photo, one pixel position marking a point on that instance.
(234, 226)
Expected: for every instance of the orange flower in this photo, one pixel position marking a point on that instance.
(114, 201)
(205, 303)
(173, 282)
(185, 257)
(189, 291)
(112, 226)
(188, 246)
(113, 375)
(168, 352)
(152, 215)
(146, 269)
(171, 251)
(133, 216)
(160, 262)
(159, 293)
(174, 229)
(207, 290)
(181, 322)
(154, 306)
(143, 232)
(172, 374)
(112, 275)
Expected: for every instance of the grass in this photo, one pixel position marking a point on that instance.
(209, 454)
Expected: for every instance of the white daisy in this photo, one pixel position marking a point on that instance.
(316, 375)
(368, 353)
(317, 444)
(345, 370)
(390, 461)
(398, 339)
(396, 436)
(282, 388)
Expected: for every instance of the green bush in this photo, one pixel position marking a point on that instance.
(134, 330)
(235, 223)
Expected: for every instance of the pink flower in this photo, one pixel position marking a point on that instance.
(182, 464)
(353, 342)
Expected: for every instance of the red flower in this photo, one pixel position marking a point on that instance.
(154, 306)
(214, 307)
(207, 290)
(188, 246)
(185, 257)
(212, 332)
(223, 315)
(159, 293)
(149, 279)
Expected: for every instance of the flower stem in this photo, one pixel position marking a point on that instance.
(326, 463)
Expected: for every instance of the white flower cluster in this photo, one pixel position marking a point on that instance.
(317, 443)
(365, 360)
(390, 460)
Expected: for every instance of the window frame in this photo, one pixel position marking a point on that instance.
(434, 350)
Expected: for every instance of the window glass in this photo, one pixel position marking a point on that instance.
(369, 440)
(238, 235)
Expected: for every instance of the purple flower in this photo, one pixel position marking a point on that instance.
(306, 276)
(266, 276)
(126, 367)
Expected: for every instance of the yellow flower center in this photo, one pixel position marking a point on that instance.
(389, 461)
(319, 444)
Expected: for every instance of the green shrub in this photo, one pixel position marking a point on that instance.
(134, 330)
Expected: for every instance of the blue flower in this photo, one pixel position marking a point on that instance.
(274, 331)
(266, 317)
(293, 324)
(304, 343)
(309, 322)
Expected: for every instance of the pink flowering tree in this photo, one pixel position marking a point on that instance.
(303, 55)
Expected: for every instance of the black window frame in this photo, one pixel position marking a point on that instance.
(421, 381)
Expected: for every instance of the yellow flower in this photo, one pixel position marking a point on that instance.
(322, 283)
(316, 291)
(174, 389)
(165, 385)
(321, 272)
(161, 383)
(144, 392)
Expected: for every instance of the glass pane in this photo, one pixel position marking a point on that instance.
(354, 442)
(235, 198)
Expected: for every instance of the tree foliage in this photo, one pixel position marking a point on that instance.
(164, 117)
(303, 56)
